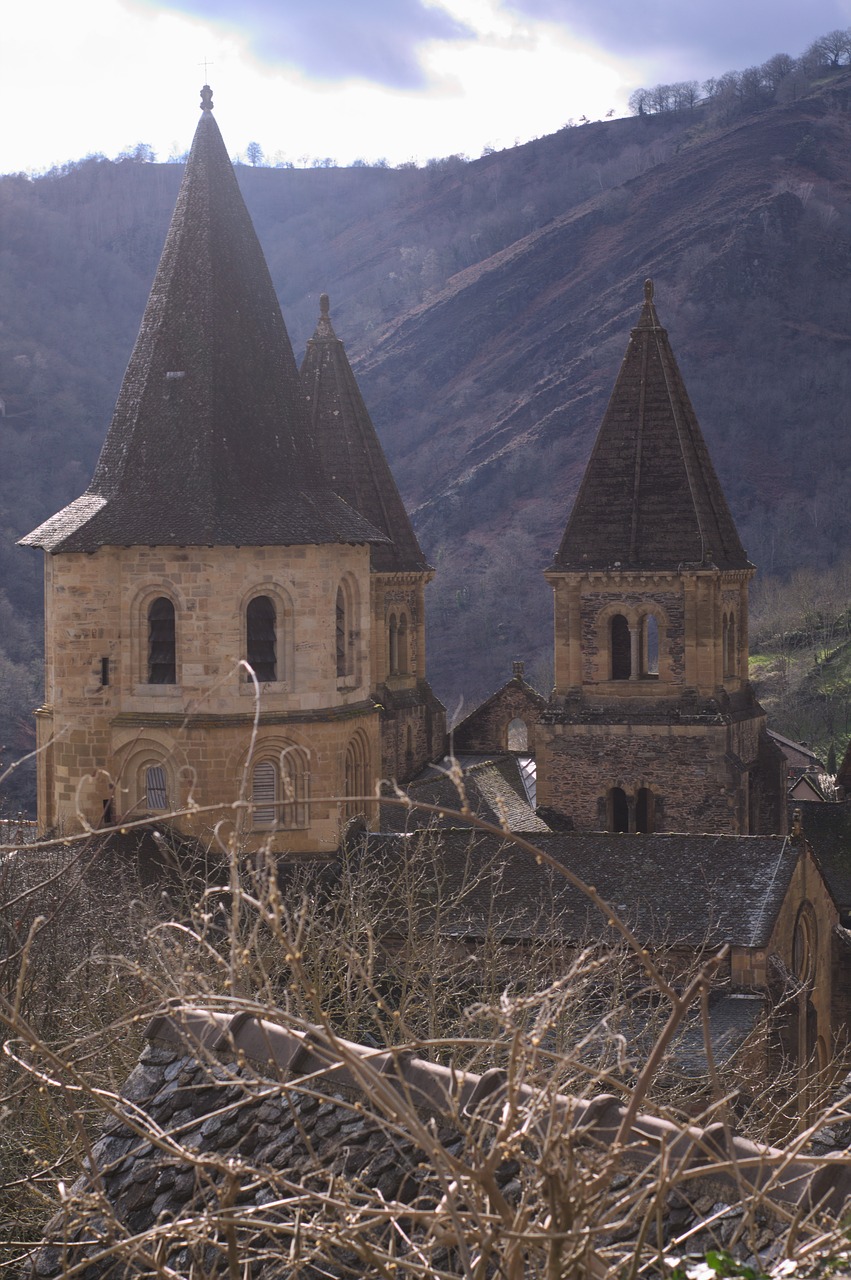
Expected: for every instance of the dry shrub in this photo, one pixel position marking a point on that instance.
(89, 951)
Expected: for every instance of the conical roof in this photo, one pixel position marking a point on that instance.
(650, 498)
(209, 443)
(352, 458)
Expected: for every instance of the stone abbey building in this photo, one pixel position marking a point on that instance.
(241, 511)
(242, 514)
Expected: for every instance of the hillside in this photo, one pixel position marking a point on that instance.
(486, 306)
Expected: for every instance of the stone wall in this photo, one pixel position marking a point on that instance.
(200, 727)
(684, 766)
(486, 729)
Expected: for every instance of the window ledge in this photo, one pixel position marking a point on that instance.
(246, 687)
(157, 691)
(347, 684)
(401, 680)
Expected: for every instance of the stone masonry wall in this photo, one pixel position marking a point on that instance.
(683, 766)
(485, 729)
(201, 725)
(595, 630)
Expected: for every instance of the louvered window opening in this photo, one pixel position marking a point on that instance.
(162, 649)
(264, 793)
(261, 624)
(156, 795)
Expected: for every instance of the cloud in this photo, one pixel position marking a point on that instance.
(708, 38)
(377, 40)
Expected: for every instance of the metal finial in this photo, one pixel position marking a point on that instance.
(206, 98)
(324, 304)
(648, 290)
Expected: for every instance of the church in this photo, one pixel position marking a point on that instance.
(235, 608)
(235, 641)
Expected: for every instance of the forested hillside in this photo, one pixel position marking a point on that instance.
(486, 305)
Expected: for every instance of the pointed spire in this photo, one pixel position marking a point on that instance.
(209, 443)
(353, 460)
(650, 498)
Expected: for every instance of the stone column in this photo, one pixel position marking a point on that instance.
(634, 650)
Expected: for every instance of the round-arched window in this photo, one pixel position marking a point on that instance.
(804, 946)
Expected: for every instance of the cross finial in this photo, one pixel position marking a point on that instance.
(205, 64)
(648, 290)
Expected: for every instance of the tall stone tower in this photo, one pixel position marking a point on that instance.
(653, 725)
(210, 534)
(413, 721)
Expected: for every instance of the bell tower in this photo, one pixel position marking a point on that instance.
(210, 540)
(652, 725)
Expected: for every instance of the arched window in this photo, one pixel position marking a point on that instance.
(402, 646)
(261, 626)
(804, 947)
(649, 663)
(725, 644)
(645, 811)
(357, 777)
(162, 646)
(347, 634)
(279, 791)
(342, 634)
(618, 810)
(620, 648)
(517, 735)
(732, 656)
(393, 628)
(156, 790)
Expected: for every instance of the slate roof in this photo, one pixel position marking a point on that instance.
(209, 442)
(494, 788)
(237, 1141)
(798, 756)
(650, 498)
(351, 453)
(690, 890)
(827, 826)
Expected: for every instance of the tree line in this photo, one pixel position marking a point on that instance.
(780, 78)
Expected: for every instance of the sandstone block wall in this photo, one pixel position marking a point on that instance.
(199, 728)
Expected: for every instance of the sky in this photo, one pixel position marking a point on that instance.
(359, 79)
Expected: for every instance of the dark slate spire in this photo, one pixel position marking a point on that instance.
(352, 458)
(650, 498)
(209, 443)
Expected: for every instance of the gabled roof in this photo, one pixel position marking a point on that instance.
(209, 443)
(351, 454)
(494, 789)
(686, 890)
(650, 498)
(798, 754)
